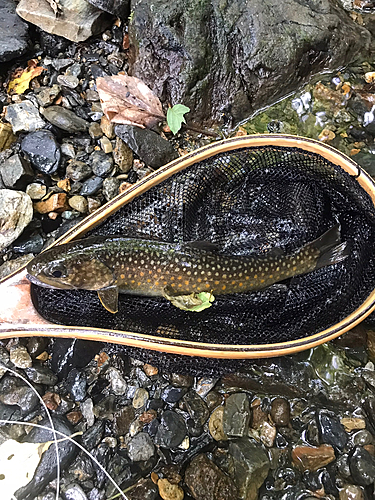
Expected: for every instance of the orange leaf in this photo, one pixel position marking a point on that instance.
(21, 79)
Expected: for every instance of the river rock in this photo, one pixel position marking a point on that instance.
(6, 136)
(362, 467)
(332, 431)
(16, 172)
(110, 187)
(236, 415)
(101, 163)
(141, 447)
(16, 212)
(207, 482)
(251, 466)
(42, 150)
(148, 145)
(253, 53)
(75, 20)
(312, 458)
(14, 38)
(24, 117)
(171, 430)
(65, 119)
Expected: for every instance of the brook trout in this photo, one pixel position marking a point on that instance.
(180, 273)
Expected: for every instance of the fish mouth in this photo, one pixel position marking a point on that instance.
(36, 281)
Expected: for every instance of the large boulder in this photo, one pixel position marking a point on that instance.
(14, 36)
(227, 59)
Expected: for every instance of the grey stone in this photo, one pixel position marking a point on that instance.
(74, 70)
(141, 448)
(75, 492)
(101, 163)
(196, 407)
(65, 119)
(95, 131)
(76, 20)
(251, 55)
(172, 394)
(148, 145)
(69, 81)
(362, 467)
(14, 38)
(332, 431)
(43, 151)
(36, 191)
(24, 117)
(120, 8)
(46, 95)
(68, 149)
(91, 186)
(78, 170)
(236, 415)
(140, 398)
(16, 212)
(206, 481)
(41, 375)
(204, 385)
(171, 431)
(118, 383)
(251, 465)
(29, 244)
(20, 357)
(110, 187)
(87, 407)
(93, 435)
(76, 384)
(16, 172)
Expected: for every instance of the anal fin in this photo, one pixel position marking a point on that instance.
(109, 298)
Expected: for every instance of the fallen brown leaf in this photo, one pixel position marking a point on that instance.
(127, 100)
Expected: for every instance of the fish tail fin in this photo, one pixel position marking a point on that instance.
(331, 249)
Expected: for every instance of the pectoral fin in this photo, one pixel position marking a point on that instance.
(109, 298)
(191, 302)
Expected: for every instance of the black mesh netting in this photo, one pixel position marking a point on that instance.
(247, 202)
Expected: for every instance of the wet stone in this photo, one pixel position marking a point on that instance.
(29, 244)
(24, 117)
(36, 191)
(75, 492)
(12, 265)
(215, 424)
(69, 81)
(105, 408)
(362, 438)
(42, 150)
(92, 437)
(78, 170)
(149, 146)
(144, 489)
(65, 119)
(206, 481)
(196, 407)
(68, 149)
(123, 419)
(251, 465)
(141, 448)
(140, 398)
(78, 203)
(20, 357)
(123, 156)
(36, 345)
(236, 415)
(118, 383)
(91, 186)
(46, 95)
(41, 375)
(351, 492)
(280, 412)
(268, 434)
(312, 458)
(171, 431)
(331, 431)
(204, 385)
(55, 203)
(101, 163)
(169, 491)
(87, 408)
(15, 172)
(172, 394)
(95, 131)
(14, 42)
(76, 384)
(362, 467)
(111, 187)
(16, 393)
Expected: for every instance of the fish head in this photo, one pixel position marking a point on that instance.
(67, 267)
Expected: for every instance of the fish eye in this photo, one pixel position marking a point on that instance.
(57, 271)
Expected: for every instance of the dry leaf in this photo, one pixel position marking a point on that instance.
(127, 100)
(22, 78)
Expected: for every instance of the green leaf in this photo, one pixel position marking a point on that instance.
(175, 117)
(206, 298)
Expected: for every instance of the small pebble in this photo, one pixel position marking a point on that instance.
(58, 202)
(111, 187)
(91, 186)
(20, 357)
(140, 398)
(101, 163)
(312, 458)
(169, 491)
(107, 128)
(351, 492)
(141, 448)
(79, 203)
(36, 191)
(95, 131)
(106, 145)
(280, 412)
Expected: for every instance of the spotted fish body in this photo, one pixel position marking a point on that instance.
(111, 265)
